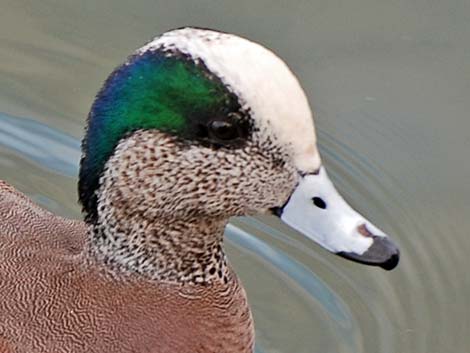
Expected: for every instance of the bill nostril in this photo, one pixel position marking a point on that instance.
(362, 229)
(319, 202)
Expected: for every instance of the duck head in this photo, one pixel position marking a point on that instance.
(199, 124)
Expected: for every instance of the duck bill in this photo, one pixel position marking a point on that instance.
(318, 211)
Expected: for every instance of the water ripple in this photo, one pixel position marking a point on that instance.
(41, 144)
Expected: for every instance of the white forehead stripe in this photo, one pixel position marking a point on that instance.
(262, 81)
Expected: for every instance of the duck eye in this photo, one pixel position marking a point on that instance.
(223, 130)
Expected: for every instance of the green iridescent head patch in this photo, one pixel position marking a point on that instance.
(152, 90)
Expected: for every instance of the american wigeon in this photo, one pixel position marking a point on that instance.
(195, 127)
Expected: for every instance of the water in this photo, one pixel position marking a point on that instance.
(390, 85)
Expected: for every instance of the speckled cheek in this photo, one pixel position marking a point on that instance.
(166, 178)
(269, 177)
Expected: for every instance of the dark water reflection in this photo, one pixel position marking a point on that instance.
(390, 84)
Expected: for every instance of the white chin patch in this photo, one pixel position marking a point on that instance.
(318, 211)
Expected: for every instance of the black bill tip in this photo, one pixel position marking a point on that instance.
(382, 253)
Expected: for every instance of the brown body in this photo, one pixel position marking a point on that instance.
(53, 300)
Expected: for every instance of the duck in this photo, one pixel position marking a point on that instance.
(195, 127)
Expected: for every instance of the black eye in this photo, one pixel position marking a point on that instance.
(223, 130)
(317, 201)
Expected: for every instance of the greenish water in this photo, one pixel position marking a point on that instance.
(390, 85)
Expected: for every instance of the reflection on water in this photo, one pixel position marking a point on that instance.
(298, 274)
(41, 144)
(390, 85)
